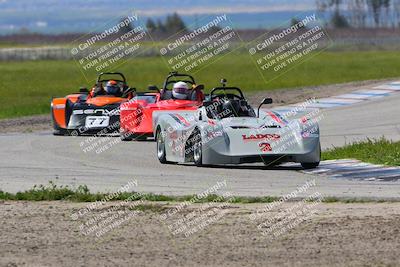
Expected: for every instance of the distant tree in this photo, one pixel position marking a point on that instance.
(336, 5)
(174, 23)
(339, 21)
(322, 6)
(396, 8)
(215, 29)
(376, 8)
(150, 25)
(386, 5)
(295, 21)
(160, 26)
(358, 15)
(127, 27)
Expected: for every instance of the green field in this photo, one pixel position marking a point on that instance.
(380, 151)
(26, 88)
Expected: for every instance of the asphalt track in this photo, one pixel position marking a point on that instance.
(36, 158)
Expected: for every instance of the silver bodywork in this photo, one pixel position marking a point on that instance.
(271, 138)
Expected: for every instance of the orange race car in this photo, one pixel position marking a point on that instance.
(95, 111)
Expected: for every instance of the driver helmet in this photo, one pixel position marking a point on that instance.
(112, 88)
(180, 90)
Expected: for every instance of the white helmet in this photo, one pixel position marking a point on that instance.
(180, 90)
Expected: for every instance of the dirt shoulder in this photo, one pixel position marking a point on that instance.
(43, 234)
(280, 97)
(26, 124)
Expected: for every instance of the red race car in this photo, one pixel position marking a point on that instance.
(179, 92)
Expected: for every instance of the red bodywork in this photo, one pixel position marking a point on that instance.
(136, 116)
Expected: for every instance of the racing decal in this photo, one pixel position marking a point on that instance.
(97, 121)
(181, 120)
(258, 137)
(265, 147)
(95, 111)
(275, 117)
(211, 122)
(213, 134)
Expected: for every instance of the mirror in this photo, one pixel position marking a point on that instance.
(265, 101)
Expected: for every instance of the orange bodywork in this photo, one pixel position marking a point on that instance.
(58, 109)
(105, 100)
(58, 105)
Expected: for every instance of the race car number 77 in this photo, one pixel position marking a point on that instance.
(97, 121)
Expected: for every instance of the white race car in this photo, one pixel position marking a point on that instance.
(227, 130)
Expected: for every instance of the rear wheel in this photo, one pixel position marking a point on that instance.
(313, 165)
(197, 149)
(161, 154)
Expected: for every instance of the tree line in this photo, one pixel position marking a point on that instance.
(360, 13)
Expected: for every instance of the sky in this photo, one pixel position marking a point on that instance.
(57, 16)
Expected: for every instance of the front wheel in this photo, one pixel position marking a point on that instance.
(197, 149)
(161, 154)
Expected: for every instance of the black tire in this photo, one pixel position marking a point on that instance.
(312, 165)
(197, 148)
(308, 166)
(125, 137)
(140, 137)
(160, 140)
(130, 137)
(60, 132)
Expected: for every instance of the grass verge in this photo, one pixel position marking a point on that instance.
(377, 151)
(82, 194)
(52, 192)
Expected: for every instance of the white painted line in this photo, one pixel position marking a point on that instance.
(325, 105)
(354, 96)
(388, 87)
(374, 92)
(339, 100)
